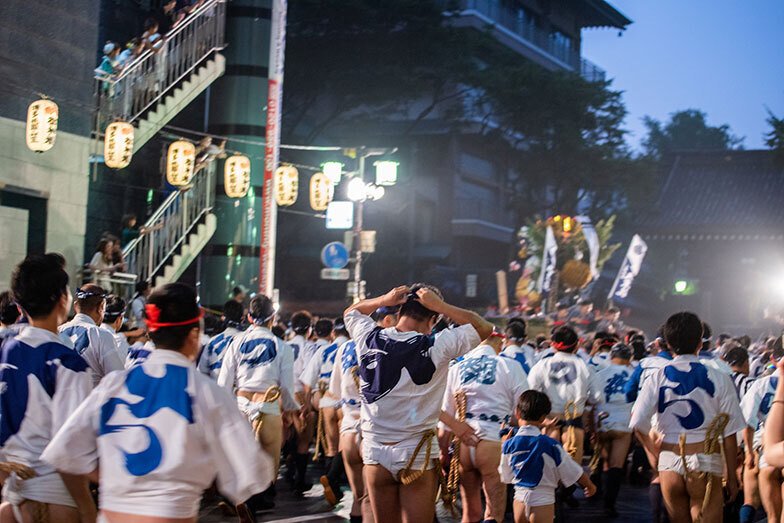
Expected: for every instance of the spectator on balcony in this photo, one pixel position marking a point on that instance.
(109, 61)
(132, 51)
(207, 151)
(152, 36)
(101, 265)
(131, 231)
(168, 17)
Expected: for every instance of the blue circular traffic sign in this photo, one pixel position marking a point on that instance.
(334, 255)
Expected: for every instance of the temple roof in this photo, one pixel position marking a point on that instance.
(598, 13)
(740, 192)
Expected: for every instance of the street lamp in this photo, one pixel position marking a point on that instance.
(358, 191)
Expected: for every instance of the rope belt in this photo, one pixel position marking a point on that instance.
(712, 446)
(599, 445)
(355, 375)
(570, 413)
(408, 476)
(449, 495)
(23, 472)
(321, 436)
(272, 395)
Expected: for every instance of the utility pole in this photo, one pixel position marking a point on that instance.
(359, 286)
(359, 290)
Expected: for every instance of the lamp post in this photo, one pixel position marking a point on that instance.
(359, 192)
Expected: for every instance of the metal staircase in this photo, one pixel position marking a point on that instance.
(178, 230)
(157, 85)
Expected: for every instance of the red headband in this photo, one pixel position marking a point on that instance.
(497, 335)
(152, 314)
(563, 346)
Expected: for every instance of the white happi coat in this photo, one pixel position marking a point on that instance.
(403, 376)
(565, 378)
(119, 340)
(756, 404)
(686, 395)
(319, 370)
(343, 385)
(525, 355)
(529, 459)
(42, 381)
(95, 345)
(212, 355)
(305, 355)
(492, 385)
(160, 433)
(257, 360)
(611, 398)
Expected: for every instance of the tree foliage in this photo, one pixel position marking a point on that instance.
(687, 130)
(395, 63)
(775, 137)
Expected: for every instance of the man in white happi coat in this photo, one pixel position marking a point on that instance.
(486, 388)
(258, 369)
(213, 353)
(403, 372)
(695, 406)
(94, 344)
(154, 437)
(42, 382)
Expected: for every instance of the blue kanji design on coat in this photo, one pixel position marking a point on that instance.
(266, 354)
(137, 356)
(481, 369)
(168, 391)
(18, 362)
(79, 336)
(695, 378)
(767, 399)
(349, 357)
(328, 359)
(615, 385)
(527, 457)
(519, 357)
(385, 359)
(563, 372)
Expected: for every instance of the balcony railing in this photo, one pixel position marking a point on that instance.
(147, 79)
(170, 226)
(523, 28)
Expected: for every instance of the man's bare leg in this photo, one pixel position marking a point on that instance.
(770, 492)
(488, 458)
(676, 497)
(715, 507)
(331, 430)
(470, 485)
(383, 491)
(353, 465)
(272, 437)
(418, 500)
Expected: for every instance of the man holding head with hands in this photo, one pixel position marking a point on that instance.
(403, 371)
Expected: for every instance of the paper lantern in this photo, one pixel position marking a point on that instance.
(320, 192)
(236, 176)
(286, 185)
(118, 145)
(179, 162)
(41, 127)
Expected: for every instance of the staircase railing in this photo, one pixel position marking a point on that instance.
(147, 79)
(170, 226)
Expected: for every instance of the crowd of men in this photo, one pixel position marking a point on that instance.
(409, 399)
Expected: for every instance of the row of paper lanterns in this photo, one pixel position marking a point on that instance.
(41, 130)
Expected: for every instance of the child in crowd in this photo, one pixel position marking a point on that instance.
(536, 463)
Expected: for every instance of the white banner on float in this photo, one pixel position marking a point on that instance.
(629, 269)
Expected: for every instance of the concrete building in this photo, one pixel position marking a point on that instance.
(451, 221)
(43, 196)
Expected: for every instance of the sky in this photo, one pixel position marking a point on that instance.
(724, 57)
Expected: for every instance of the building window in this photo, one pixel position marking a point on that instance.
(562, 45)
